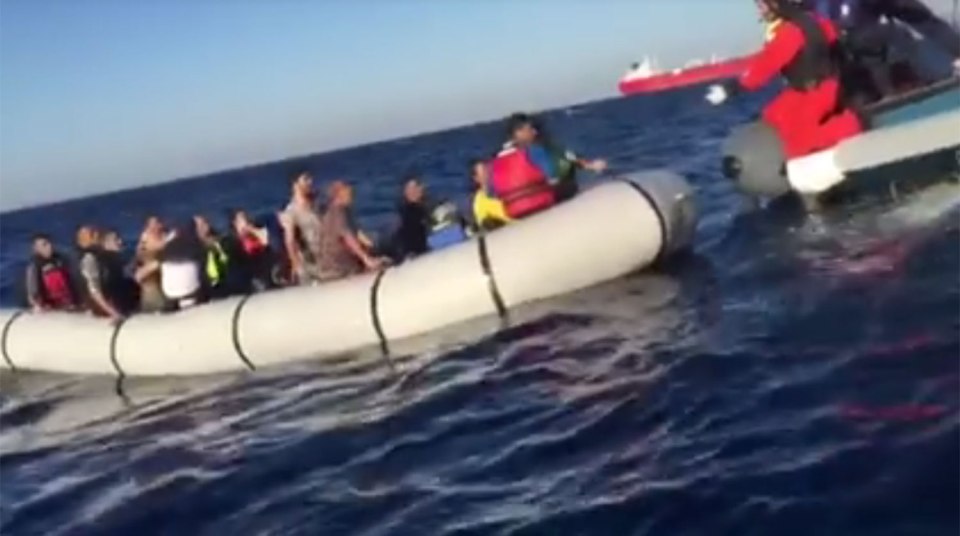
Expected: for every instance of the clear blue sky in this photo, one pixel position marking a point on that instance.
(97, 95)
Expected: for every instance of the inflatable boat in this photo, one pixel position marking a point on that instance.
(608, 231)
(917, 132)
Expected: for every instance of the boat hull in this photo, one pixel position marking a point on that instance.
(917, 132)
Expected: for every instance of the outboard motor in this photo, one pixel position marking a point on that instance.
(753, 158)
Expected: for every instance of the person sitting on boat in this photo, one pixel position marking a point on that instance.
(488, 211)
(525, 170)
(221, 279)
(94, 275)
(410, 238)
(566, 163)
(181, 267)
(522, 170)
(146, 268)
(301, 229)
(120, 284)
(447, 226)
(807, 115)
(49, 282)
(343, 252)
(255, 259)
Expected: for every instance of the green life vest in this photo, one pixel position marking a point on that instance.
(216, 263)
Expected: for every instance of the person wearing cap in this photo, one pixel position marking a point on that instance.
(343, 252)
(807, 115)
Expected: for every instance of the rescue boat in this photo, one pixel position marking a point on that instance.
(608, 231)
(912, 137)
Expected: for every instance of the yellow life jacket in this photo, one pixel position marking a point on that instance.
(216, 262)
(488, 208)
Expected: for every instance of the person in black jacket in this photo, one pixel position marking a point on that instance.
(120, 285)
(410, 239)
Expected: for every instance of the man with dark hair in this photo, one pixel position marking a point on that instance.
(531, 172)
(302, 226)
(49, 284)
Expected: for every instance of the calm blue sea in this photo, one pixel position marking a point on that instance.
(797, 375)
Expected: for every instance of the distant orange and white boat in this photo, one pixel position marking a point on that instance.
(645, 77)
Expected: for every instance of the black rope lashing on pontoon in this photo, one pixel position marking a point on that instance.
(118, 387)
(491, 280)
(664, 230)
(3, 339)
(235, 332)
(375, 317)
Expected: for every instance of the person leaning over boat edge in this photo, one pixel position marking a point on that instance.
(807, 115)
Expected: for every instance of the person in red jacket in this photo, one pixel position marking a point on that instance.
(807, 114)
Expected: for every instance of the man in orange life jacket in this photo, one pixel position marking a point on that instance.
(49, 284)
(523, 170)
(807, 114)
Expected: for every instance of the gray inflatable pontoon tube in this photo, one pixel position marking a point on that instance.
(610, 230)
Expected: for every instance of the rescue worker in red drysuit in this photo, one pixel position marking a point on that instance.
(807, 114)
